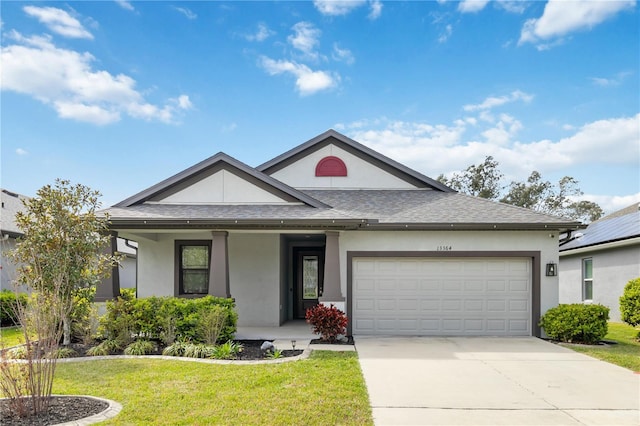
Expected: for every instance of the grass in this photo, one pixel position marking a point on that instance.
(10, 336)
(328, 388)
(626, 353)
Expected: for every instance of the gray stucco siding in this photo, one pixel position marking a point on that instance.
(612, 269)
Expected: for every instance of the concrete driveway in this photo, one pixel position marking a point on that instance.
(493, 381)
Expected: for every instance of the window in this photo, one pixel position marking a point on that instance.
(587, 279)
(193, 258)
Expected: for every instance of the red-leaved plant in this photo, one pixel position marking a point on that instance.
(327, 321)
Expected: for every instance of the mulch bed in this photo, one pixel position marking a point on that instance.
(250, 351)
(349, 341)
(61, 409)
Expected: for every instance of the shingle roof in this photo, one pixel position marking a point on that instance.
(429, 207)
(372, 208)
(11, 204)
(614, 227)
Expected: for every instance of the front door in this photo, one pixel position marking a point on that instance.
(308, 277)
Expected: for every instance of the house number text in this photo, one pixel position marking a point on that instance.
(444, 248)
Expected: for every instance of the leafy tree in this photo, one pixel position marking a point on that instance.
(480, 181)
(63, 245)
(60, 253)
(543, 196)
(485, 181)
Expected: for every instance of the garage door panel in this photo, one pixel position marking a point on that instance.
(363, 284)
(426, 296)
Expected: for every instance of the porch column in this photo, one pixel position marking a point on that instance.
(109, 287)
(331, 293)
(219, 270)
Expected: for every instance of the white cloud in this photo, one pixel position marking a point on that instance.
(448, 30)
(447, 148)
(305, 38)
(65, 79)
(376, 10)
(21, 151)
(342, 55)
(563, 17)
(493, 101)
(512, 6)
(186, 12)
(503, 131)
(125, 5)
(58, 21)
(472, 6)
(262, 33)
(337, 7)
(610, 82)
(308, 81)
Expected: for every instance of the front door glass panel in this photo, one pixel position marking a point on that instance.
(309, 277)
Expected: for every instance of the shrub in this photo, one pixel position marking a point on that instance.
(328, 322)
(177, 348)
(228, 350)
(118, 322)
(64, 353)
(168, 331)
(576, 323)
(168, 319)
(275, 354)
(8, 307)
(211, 323)
(630, 303)
(198, 350)
(140, 347)
(106, 347)
(83, 315)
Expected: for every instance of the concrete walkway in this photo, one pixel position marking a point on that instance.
(493, 381)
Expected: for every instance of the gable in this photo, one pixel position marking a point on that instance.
(360, 174)
(223, 186)
(220, 179)
(318, 163)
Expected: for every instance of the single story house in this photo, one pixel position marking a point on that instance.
(333, 221)
(597, 262)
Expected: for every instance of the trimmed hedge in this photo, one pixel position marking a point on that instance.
(8, 304)
(630, 303)
(155, 317)
(576, 323)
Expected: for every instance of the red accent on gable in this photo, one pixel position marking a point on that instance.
(331, 166)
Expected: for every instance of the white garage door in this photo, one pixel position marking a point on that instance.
(442, 296)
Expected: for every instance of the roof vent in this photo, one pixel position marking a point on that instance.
(331, 166)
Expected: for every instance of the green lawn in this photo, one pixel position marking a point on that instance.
(10, 336)
(626, 353)
(326, 389)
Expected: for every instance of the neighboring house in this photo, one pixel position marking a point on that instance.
(9, 232)
(597, 262)
(333, 221)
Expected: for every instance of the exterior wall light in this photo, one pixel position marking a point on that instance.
(552, 269)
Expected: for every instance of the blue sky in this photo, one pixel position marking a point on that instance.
(119, 95)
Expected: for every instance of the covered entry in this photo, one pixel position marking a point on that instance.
(442, 296)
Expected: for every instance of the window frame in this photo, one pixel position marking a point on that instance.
(178, 277)
(587, 280)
